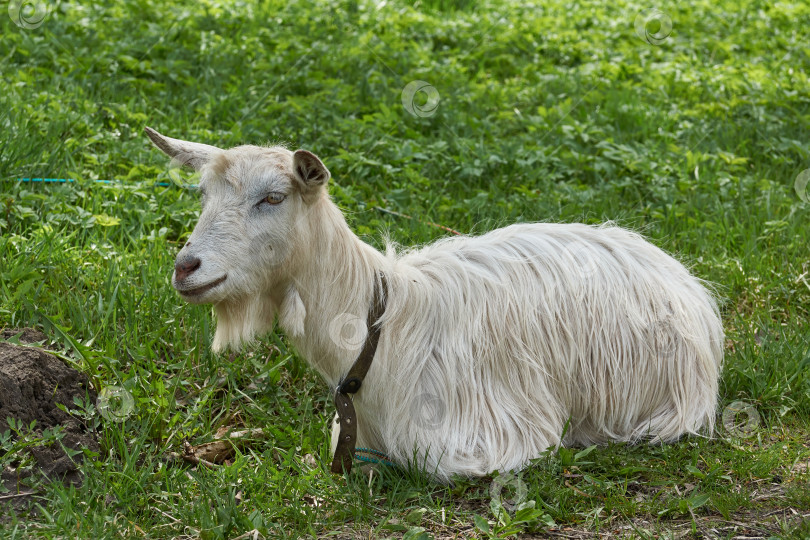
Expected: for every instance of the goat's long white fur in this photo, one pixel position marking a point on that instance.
(489, 344)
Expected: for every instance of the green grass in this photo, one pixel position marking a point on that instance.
(556, 112)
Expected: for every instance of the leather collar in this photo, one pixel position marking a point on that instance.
(353, 380)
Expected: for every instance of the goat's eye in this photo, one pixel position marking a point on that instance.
(274, 198)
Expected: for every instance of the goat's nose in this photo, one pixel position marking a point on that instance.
(185, 266)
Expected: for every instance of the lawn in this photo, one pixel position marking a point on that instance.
(690, 125)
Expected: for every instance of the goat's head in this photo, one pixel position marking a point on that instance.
(254, 215)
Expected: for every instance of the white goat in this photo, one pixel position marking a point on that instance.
(489, 344)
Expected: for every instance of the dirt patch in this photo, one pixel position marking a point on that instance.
(32, 382)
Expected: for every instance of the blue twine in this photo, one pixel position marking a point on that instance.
(66, 180)
(378, 460)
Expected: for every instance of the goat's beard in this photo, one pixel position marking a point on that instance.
(241, 320)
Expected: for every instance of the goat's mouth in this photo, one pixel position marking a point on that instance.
(197, 291)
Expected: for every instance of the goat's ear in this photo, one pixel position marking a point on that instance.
(185, 153)
(309, 169)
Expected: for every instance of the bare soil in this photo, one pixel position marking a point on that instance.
(32, 382)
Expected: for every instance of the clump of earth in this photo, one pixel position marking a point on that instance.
(32, 383)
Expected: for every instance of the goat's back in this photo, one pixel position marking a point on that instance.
(511, 334)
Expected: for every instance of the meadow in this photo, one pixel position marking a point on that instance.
(689, 124)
